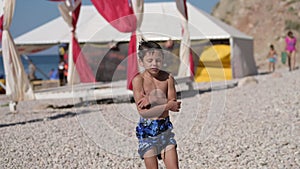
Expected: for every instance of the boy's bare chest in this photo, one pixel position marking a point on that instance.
(150, 85)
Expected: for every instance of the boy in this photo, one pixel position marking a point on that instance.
(155, 95)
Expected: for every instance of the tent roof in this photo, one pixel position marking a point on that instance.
(161, 22)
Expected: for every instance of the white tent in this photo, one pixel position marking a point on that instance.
(161, 22)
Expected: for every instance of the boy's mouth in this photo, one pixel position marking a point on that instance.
(154, 69)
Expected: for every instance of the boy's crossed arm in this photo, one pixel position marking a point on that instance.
(149, 106)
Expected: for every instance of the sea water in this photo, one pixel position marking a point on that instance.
(43, 63)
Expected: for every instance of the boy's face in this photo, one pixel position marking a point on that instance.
(152, 61)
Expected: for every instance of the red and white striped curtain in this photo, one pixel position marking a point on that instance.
(186, 68)
(136, 37)
(17, 83)
(120, 14)
(84, 70)
(70, 12)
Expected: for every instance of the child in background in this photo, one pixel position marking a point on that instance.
(155, 95)
(272, 57)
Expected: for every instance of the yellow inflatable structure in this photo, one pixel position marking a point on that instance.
(214, 64)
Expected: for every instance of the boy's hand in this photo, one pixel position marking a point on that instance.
(144, 102)
(174, 105)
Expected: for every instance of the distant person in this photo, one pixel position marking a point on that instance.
(155, 95)
(63, 51)
(290, 42)
(61, 72)
(53, 74)
(272, 57)
(31, 71)
(66, 67)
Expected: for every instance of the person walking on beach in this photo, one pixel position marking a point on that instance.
(272, 57)
(290, 48)
(155, 95)
(31, 71)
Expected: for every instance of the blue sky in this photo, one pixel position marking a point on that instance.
(30, 14)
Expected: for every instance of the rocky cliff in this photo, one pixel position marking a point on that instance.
(266, 21)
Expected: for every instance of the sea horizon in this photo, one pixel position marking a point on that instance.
(43, 62)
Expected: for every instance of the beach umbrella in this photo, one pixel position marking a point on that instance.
(17, 83)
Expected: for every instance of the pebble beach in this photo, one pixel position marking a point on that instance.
(254, 124)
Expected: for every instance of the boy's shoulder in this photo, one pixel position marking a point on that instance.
(137, 77)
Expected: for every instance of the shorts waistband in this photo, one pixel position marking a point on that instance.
(148, 127)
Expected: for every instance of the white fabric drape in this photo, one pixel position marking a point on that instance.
(138, 8)
(66, 9)
(17, 83)
(184, 67)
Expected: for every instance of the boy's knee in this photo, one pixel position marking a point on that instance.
(168, 149)
(150, 153)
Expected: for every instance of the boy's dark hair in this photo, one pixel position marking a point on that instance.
(147, 46)
(272, 46)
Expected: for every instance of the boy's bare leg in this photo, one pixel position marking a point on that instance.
(150, 159)
(169, 155)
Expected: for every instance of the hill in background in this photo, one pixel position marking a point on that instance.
(266, 21)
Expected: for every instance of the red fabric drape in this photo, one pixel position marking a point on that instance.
(120, 15)
(132, 68)
(132, 65)
(1, 27)
(75, 15)
(83, 69)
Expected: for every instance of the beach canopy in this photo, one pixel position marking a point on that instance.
(92, 27)
(161, 21)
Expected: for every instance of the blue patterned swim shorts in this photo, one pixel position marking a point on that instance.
(155, 134)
